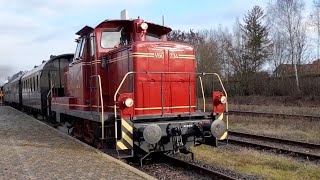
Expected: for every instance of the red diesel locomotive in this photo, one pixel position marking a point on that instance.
(129, 88)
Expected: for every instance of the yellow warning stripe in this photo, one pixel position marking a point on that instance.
(126, 125)
(127, 138)
(224, 136)
(141, 55)
(121, 145)
(189, 55)
(186, 57)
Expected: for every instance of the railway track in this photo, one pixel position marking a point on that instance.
(304, 150)
(198, 169)
(273, 115)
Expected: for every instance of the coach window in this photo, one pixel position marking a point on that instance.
(38, 83)
(31, 85)
(110, 39)
(34, 84)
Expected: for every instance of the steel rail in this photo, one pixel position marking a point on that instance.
(274, 115)
(309, 156)
(198, 169)
(274, 139)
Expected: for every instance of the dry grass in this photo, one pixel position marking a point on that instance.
(294, 129)
(268, 105)
(312, 111)
(254, 162)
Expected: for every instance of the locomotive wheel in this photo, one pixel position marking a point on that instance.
(77, 131)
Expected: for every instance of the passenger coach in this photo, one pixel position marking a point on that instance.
(36, 84)
(12, 92)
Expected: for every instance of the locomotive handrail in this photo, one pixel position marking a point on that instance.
(204, 99)
(49, 93)
(102, 106)
(127, 74)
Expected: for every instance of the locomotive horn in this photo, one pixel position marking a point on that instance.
(218, 128)
(152, 133)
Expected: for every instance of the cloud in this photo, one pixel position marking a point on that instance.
(31, 31)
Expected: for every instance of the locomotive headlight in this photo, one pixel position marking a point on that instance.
(144, 26)
(128, 102)
(223, 99)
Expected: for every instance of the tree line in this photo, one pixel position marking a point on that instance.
(249, 53)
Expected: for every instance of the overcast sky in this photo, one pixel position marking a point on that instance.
(32, 30)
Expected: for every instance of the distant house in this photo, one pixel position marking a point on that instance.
(287, 70)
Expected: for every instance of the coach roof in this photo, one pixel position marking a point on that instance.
(42, 66)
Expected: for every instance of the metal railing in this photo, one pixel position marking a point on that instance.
(49, 100)
(102, 105)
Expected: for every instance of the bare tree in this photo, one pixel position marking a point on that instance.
(315, 22)
(278, 55)
(5, 72)
(235, 49)
(224, 38)
(287, 20)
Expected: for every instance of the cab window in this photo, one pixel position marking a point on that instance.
(110, 39)
(79, 49)
(92, 43)
(153, 37)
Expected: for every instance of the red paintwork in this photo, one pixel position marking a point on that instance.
(146, 88)
(176, 86)
(218, 107)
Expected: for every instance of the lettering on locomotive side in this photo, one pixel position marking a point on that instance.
(173, 55)
(159, 55)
